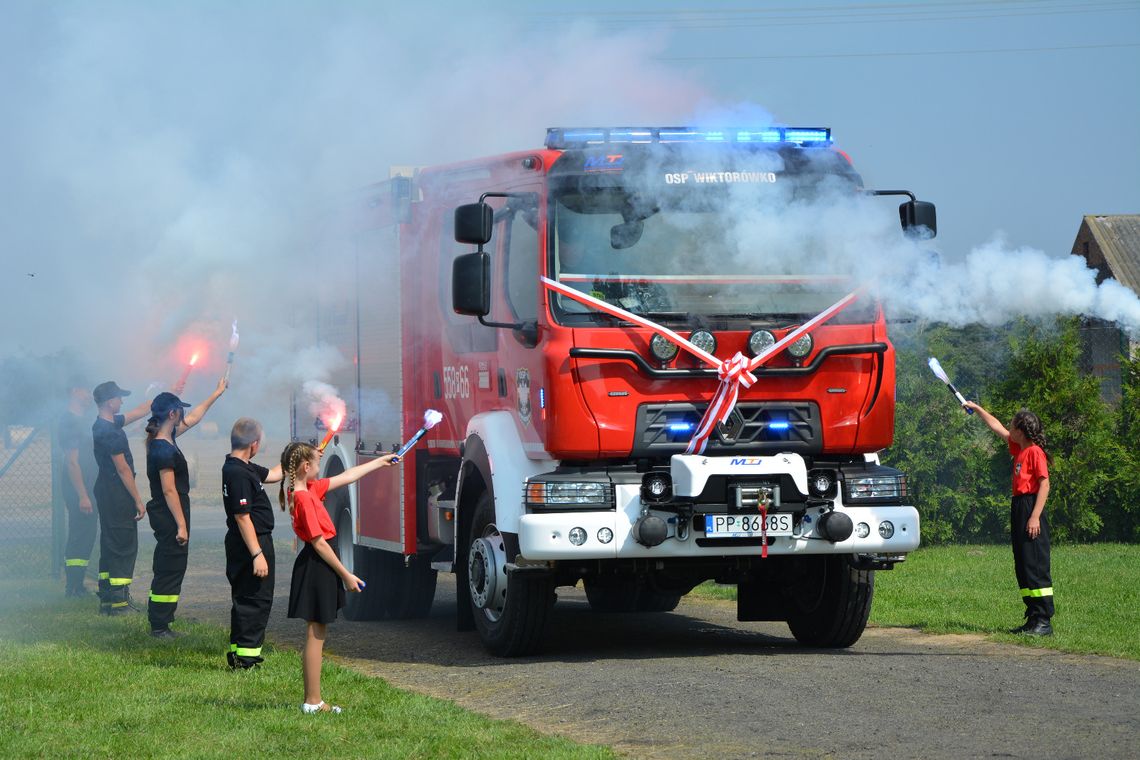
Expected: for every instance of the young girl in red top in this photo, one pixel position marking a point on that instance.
(316, 592)
(1029, 528)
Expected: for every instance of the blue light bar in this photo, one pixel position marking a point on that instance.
(778, 425)
(681, 427)
(561, 138)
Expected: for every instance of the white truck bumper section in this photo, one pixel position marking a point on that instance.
(880, 529)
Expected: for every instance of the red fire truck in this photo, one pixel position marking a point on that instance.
(562, 456)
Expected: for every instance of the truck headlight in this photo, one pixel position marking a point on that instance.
(704, 340)
(876, 487)
(759, 342)
(569, 494)
(801, 347)
(663, 350)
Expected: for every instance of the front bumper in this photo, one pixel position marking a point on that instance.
(545, 536)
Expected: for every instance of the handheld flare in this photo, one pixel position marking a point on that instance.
(181, 385)
(936, 368)
(233, 347)
(334, 426)
(431, 419)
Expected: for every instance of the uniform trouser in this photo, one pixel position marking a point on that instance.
(169, 565)
(252, 599)
(81, 529)
(118, 541)
(1031, 558)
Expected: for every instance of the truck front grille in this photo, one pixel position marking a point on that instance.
(754, 427)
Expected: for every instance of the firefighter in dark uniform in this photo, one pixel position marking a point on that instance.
(169, 505)
(117, 497)
(78, 487)
(249, 543)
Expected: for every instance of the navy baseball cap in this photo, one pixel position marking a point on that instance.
(164, 403)
(107, 391)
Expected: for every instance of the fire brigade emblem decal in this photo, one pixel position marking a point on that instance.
(522, 388)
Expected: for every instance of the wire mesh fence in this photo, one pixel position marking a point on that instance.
(31, 521)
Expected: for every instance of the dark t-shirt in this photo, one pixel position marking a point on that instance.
(164, 455)
(243, 494)
(108, 439)
(75, 434)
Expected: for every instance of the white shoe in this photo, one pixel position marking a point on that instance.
(320, 708)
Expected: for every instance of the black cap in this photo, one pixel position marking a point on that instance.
(107, 391)
(164, 403)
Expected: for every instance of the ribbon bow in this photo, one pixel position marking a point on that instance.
(733, 372)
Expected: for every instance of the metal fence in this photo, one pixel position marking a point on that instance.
(32, 520)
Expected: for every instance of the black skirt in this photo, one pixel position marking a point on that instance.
(316, 592)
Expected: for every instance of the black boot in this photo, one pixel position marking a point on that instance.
(74, 576)
(1041, 627)
(1024, 626)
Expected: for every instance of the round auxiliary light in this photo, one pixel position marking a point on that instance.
(656, 487)
(801, 347)
(821, 483)
(662, 349)
(704, 340)
(605, 535)
(760, 341)
(577, 536)
(886, 529)
(862, 530)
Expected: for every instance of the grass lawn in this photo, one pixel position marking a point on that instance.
(74, 684)
(971, 589)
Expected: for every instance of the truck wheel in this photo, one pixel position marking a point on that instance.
(509, 609)
(655, 600)
(409, 588)
(830, 604)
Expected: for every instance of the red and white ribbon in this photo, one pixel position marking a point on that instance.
(733, 372)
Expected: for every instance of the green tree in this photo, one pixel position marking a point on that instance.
(1044, 376)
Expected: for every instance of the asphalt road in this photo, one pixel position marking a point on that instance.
(696, 683)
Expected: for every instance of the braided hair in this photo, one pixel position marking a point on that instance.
(291, 458)
(1030, 425)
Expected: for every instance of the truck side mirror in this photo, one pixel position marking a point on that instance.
(473, 224)
(471, 277)
(917, 214)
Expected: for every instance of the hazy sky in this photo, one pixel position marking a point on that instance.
(1017, 117)
(163, 162)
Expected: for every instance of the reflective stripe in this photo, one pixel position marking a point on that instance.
(246, 652)
(1037, 591)
(233, 647)
(118, 604)
(104, 576)
(166, 598)
(120, 581)
(75, 562)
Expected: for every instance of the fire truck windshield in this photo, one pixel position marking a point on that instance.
(676, 262)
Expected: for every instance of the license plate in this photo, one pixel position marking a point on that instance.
(747, 526)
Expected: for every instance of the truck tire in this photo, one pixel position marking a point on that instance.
(655, 600)
(830, 605)
(510, 609)
(409, 587)
(362, 562)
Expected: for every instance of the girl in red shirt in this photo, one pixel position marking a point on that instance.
(1029, 528)
(316, 593)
